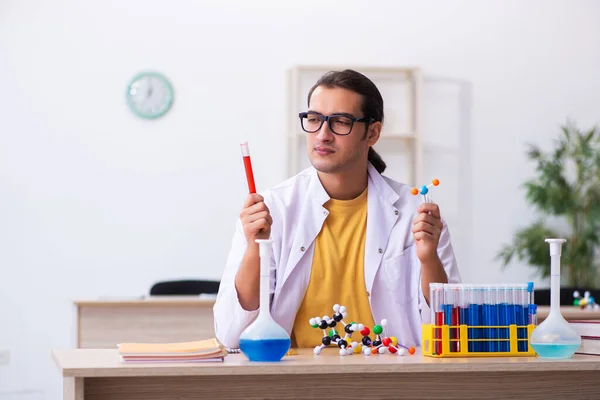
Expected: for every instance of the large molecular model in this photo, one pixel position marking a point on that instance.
(382, 343)
(587, 301)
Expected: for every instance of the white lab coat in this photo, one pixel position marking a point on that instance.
(392, 268)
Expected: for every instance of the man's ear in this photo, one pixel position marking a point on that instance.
(373, 133)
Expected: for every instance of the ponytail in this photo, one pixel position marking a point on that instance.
(375, 159)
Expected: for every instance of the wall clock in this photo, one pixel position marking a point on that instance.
(149, 95)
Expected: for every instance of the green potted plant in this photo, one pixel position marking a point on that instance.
(566, 194)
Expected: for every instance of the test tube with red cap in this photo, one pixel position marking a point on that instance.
(248, 167)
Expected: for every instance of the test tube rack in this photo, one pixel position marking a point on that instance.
(469, 320)
(437, 341)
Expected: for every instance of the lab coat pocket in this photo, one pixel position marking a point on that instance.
(402, 276)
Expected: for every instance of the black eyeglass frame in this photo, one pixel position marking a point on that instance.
(304, 114)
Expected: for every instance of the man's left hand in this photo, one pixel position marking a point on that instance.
(427, 227)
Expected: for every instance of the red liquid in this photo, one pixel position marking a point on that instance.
(437, 332)
(454, 346)
(249, 174)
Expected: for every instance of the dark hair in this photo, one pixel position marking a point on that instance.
(372, 102)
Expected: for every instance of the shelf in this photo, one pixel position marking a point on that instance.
(407, 135)
(360, 68)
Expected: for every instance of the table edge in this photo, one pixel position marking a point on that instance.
(223, 369)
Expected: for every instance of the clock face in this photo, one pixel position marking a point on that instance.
(149, 95)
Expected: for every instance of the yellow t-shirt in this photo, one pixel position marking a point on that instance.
(337, 275)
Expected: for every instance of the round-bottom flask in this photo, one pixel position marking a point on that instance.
(554, 337)
(264, 339)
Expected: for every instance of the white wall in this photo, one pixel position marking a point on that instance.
(95, 202)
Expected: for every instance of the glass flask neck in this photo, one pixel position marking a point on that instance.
(555, 283)
(265, 246)
(265, 296)
(555, 253)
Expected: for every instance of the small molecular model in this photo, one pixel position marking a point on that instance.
(587, 301)
(382, 343)
(425, 189)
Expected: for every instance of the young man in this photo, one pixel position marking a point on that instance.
(343, 233)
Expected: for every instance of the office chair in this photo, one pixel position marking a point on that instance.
(184, 288)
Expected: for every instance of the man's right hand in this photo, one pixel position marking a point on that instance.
(256, 221)
(256, 218)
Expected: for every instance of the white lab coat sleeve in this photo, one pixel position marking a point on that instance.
(448, 259)
(230, 318)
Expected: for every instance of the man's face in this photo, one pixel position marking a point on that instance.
(331, 153)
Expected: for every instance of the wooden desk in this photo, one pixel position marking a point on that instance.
(102, 324)
(569, 313)
(98, 374)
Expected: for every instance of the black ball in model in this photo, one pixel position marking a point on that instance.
(342, 343)
(377, 343)
(338, 317)
(323, 324)
(348, 329)
(326, 340)
(366, 341)
(332, 324)
(335, 337)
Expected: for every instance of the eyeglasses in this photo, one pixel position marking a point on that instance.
(340, 124)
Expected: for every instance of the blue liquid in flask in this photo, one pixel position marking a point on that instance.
(554, 350)
(265, 349)
(264, 339)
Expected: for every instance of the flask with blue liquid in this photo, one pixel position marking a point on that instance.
(555, 337)
(264, 339)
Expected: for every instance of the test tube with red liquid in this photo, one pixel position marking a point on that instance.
(248, 167)
(451, 313)
(436, 295)
(456, 321)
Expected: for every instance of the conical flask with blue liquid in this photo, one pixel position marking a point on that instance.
(264, 339)
(555, 338)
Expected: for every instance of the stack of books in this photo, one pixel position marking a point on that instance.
(590, 336)
(199, 351)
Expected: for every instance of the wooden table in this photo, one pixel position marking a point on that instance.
(569, 313)
(104, 323)
(90, 374)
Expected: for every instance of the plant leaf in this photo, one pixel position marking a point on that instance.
(529, 245)
(567, 185)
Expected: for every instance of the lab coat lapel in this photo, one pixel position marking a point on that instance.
(310, 222)
(382, 215)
